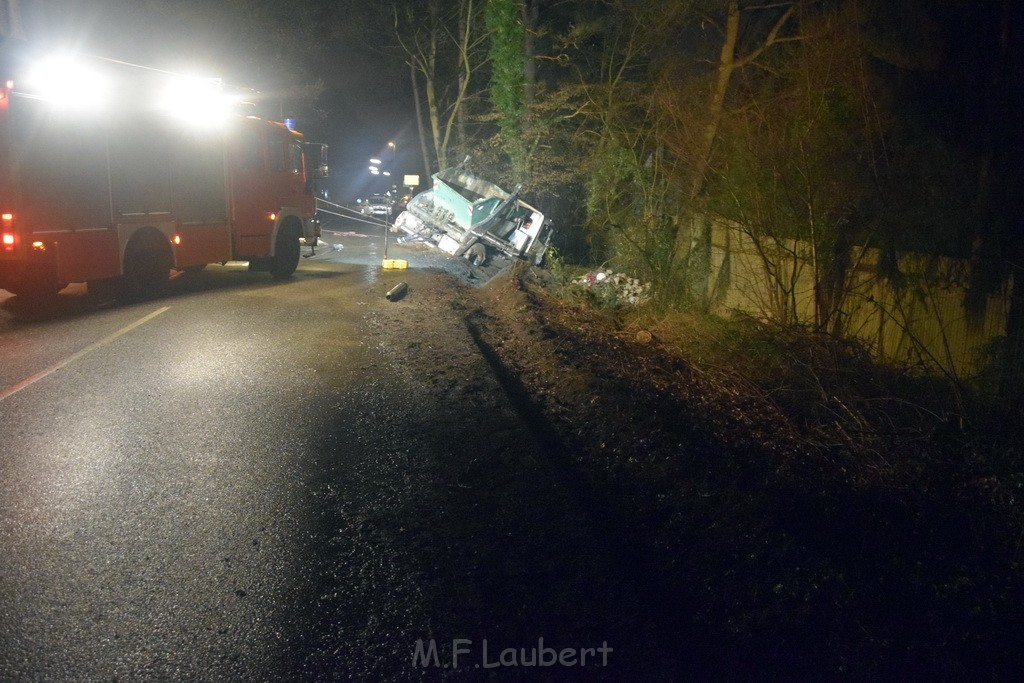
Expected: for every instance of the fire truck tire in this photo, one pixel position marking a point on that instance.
(147, 265)
(286, 252)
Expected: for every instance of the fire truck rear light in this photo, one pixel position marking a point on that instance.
(176, 239)
(272, 216)
(7, 241)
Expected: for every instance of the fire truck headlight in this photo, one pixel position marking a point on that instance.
(199, 100)
(69, 83)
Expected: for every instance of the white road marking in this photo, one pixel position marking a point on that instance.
(346, 233)
(28, 381)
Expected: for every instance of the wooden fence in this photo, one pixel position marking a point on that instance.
(924, 322)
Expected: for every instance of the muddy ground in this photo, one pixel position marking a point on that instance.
(714, 533)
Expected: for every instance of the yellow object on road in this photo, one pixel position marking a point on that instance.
(395, 264)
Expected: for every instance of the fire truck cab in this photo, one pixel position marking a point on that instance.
(130, 192)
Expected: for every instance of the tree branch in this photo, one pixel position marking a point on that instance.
(774, 5)
(773, 38)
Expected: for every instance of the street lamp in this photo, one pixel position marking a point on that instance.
(390, 263)
(394, 152)
(375, 170)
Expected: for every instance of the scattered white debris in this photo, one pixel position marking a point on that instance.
(615, 289)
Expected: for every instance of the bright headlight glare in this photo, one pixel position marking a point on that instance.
(196, 99)
(66, 81)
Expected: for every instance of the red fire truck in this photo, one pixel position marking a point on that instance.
(127, 192)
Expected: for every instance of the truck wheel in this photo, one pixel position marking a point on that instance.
(103, 289)
(286, 253)
(477, 254)
(147, 264)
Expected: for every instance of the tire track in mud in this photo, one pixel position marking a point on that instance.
(529, 546)
(624, 540)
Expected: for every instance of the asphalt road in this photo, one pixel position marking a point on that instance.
(249, 479)
(154, 485)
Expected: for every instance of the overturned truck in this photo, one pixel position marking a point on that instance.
(464, 215)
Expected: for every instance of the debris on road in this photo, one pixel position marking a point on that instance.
(397, 292)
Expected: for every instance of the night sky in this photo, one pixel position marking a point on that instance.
(365, 100)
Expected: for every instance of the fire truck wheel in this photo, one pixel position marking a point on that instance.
(286, 252)
(147, 265)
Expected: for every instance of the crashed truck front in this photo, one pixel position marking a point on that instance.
(465, 215)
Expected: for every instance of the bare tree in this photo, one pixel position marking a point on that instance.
(729, 61)
(441, 43)
(795, 163)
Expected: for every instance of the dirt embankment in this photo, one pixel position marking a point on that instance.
(771, 549)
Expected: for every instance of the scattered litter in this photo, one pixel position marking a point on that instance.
(615, 289)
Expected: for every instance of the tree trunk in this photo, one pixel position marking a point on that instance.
(465, 69)
(426, 40)
(529, 14)
(432, 105)
(688, 232)
(419, 119)
(726, 65)
(460, 122)
(728, 62)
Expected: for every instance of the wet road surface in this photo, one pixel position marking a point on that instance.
(259, 480)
